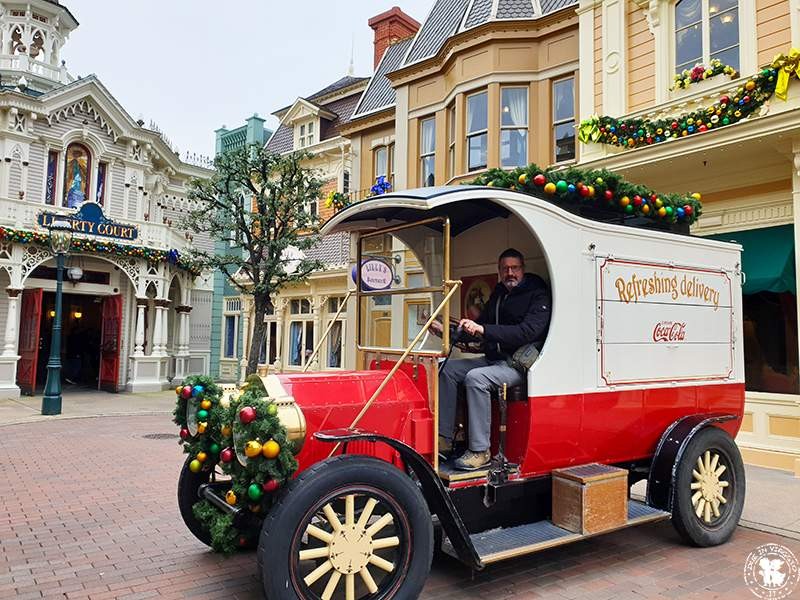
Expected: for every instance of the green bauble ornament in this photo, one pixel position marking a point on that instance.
(669, 211)
(726, 121)
(254, 492)
(272, 410)
(629, 209)
(202, 414)
(561, 186)
(214, 448)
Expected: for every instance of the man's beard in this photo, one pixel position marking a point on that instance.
(511, 283)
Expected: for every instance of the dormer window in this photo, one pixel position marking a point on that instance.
(306, 137)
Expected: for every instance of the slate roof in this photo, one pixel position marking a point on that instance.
(283, 138)
(380, 93)
(450, 17)
(331, 250)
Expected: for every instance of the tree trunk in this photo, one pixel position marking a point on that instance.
(259, 332)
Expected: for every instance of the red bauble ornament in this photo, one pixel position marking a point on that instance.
(746, 99)
(653, 197)
(623, 127)
(539, 179)
(187, 391)
(226, 455)
(637, 201)
(270, 486)
(724, 100)
(688, 210)
(185, 434)
(583, 190)
(702, 128)
(609, 195)
(674, 125)
(247, 415)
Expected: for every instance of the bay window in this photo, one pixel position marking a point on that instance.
(514, 127)
(427, 151)
(477, 131)
(564, 119)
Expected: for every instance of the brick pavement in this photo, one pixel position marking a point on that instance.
(87, 510)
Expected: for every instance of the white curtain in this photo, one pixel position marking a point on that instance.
(428, 136)
(517, 106)
(477, 107)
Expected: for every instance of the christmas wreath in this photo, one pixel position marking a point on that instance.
(242, 435)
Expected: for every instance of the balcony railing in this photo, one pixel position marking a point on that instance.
(25, 64)
(19, 214)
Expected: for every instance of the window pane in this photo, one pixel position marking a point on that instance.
(565, 141)
(451, 125)
(305, 306)
(717, 6)
(230, 335)
(724, 30)
(477, 112)
(689, 45)
(295, 342)
(770, 342)
(335, 345)
(101, 183)
(687, 12)
(477, 152)
(514, 147)
(302, 130)
(729, 57)
(273, 342)
(76, 175)
(564, 99)
(309, 349)
(428, 165)
(311, 128)
(427, 138)
(294, 307)
(381, 162)
(52, 172)
(514, 106)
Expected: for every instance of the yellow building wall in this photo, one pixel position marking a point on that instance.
(369, 138)
(641, 59)
(773, 29)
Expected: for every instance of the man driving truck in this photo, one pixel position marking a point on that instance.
(515, 317)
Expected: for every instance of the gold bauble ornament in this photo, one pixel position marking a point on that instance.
(230, 497)
(201, 427)
(205, 404)
(252, 449)
(270, 449)
(226, 431)
(202, 456)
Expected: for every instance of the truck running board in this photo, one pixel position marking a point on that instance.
(499, 544)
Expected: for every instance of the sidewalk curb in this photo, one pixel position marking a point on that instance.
(50, 418)
(795, 535)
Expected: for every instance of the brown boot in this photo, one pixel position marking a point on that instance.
(445, 448)
(472, 461)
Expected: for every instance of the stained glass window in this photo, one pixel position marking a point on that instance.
(52, 174)
(77, 167)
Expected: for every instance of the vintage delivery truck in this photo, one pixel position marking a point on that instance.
(641, 377)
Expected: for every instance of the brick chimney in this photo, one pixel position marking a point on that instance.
(390, 27)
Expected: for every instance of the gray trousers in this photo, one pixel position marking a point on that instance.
(479, 377)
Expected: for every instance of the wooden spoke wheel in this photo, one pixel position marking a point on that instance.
(349, 528)
(708, 496)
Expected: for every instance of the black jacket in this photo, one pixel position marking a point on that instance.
(524, 316)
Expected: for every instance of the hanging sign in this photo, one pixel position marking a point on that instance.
(89, 219)
(376, 274)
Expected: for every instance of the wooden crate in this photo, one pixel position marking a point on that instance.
(590, 498)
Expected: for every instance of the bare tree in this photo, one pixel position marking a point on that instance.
(257, 204)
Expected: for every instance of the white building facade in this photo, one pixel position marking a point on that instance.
(136, 316)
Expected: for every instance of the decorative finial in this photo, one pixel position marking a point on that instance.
(350, 69)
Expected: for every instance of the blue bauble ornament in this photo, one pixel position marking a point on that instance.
(571, 188)
(681, 213)
(690, 129)
(198, 389)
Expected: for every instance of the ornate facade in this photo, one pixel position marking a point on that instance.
(135, 316)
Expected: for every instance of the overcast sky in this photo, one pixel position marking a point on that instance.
(193, 65)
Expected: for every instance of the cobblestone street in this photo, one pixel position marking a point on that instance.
(88, 510)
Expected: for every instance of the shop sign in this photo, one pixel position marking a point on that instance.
(89, 219)
(376, 274)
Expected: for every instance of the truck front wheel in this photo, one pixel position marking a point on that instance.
(709, 489)
(188, 485)
(348, 528)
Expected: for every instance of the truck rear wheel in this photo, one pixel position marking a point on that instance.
(348, 528)
(188, 484)
(709, 489)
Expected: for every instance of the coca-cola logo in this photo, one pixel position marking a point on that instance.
(669, 331)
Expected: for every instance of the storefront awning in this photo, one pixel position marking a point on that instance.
(767, 258)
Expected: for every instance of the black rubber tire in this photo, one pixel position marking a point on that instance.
(335, 475)
(188, 484)
(692, 528)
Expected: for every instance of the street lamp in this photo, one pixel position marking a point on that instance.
(60, 240)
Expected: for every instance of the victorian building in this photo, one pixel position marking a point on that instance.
(136, 313)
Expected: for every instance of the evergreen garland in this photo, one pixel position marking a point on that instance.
(600, 188)
(245, 438)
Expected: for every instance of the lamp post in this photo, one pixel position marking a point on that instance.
(60, 240)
